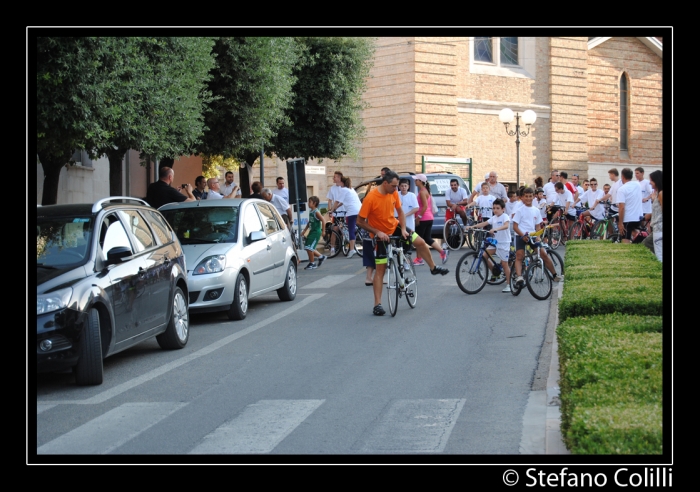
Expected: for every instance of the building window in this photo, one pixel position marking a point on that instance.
(504, 57)
(624, 112)
(483, 50)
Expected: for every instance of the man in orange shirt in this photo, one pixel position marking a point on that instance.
(377, 217)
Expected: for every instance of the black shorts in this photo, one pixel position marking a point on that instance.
(380, 251)
(629, 227)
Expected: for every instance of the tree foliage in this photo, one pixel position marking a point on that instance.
(252, 84)
(326, 114)
(109, 94)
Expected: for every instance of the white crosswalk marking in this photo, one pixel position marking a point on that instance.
(328, 282)
(413, 426)
(110, 430)
(42, 407)
(259, 428)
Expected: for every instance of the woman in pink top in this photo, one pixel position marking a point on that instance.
(424, 217)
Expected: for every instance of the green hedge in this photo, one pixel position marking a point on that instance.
(610, 349)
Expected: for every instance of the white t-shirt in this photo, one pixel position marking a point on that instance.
(579, 203)
(333, 194)
(213, 195)
(645, 186)
(284, 193)
(484, 205)
(227, 189)
(409, 201)
(503, 237)
(591, 196)
(630, 194)
(613, 193)
(456, 196)
(351, 202)
(549, 191)
(561, 199)
(511, 206)
(280, 204)
(527, 219)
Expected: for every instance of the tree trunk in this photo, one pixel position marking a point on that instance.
(116, 157)
(52, 165)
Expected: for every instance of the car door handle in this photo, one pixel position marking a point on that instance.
(269, 246)
(166, 260)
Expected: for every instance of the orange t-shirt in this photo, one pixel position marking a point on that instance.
(378, 209)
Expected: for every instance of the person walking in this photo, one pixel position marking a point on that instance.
(424, 218)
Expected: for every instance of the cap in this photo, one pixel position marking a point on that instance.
(421, 177)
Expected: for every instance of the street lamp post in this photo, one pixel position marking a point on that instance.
(506, 116)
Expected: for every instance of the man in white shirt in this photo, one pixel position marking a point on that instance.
(215, 191)
(645, 186)
(496, 188)
(280, 204)
(456, 198)
(579, 188)
(281, 190)
(549, 186)
(629, 200)
(614, 176)
(229, 186)
(334, 192)
(593, 197)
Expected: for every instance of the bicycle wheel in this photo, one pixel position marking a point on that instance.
(346, 241)
(453, 234)
(538, 280)
(327, 245)
(471, 273)
(496, 279)
(555, 235)
(392, 286)
(411, 285)
(598, 229)
(557, 261)
(576, 231)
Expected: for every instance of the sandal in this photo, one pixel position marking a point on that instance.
(378, 310)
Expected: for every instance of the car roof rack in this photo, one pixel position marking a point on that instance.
(100, 204)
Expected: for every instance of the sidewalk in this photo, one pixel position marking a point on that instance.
(542, 418)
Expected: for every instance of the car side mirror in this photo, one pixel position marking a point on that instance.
(256, 236)
(117, 254)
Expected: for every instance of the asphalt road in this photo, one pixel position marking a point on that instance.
(317, 376)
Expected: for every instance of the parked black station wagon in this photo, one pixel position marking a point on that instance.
(109, 275)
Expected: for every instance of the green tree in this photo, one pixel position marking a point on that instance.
(326, 114)
(109, 94)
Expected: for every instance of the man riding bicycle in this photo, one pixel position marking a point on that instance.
(377, 217)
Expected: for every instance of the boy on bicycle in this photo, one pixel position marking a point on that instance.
(528, 219)
(500, 223)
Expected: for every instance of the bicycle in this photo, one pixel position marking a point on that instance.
(473, 271)
(581, 229)
(454, 234)
(474, 237)
(345, 235)
(331, 237)
(600, 228)
(530, 255)
(402, 280)
(555, 236)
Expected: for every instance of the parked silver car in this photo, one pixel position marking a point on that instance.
(235, 249)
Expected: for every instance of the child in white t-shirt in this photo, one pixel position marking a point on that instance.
(484, 202)
(500, 228)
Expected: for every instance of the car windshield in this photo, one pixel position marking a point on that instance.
(198, 225)
(439, 185)
(62, 241)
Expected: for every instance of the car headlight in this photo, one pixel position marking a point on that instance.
(59, 299)
(211, 264)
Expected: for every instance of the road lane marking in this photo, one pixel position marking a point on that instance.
(42, 407)
(328, 282)
(159, 371)
(111, 429)
(413, 426)
(259, 428)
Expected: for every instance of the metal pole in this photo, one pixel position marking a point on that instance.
(517, 146)
(262, 168)
(296, 195)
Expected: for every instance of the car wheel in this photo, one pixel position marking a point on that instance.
(239, 306)
(177, 333)
(89, 370)
(289, 290)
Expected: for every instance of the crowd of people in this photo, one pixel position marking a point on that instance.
(390, 209)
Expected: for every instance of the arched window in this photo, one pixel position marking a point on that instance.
(624, 112)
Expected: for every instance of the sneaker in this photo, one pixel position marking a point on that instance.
(440, 270)
(418, 262)
(558, 278)
(406, 267)
(332, 251)
(352, 253)
(520, 280)
(443, 255)
(310, 266)
(506, 289)
(321, 259)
